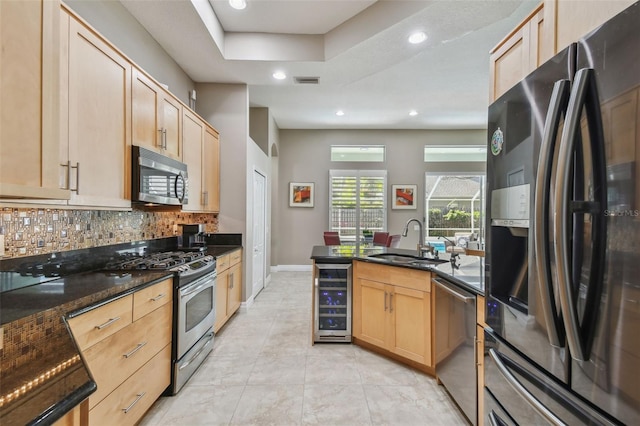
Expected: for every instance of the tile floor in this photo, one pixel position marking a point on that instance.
(263, 370)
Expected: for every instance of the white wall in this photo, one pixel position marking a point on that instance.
(304, 156)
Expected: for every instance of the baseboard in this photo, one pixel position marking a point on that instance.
(247, 304)
(292, 268)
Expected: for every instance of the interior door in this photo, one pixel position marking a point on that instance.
(259, 220)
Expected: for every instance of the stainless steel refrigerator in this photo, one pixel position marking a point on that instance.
(563, 237)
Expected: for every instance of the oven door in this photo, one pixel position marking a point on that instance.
(196, 311)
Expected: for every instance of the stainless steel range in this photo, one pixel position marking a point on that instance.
(194, 305)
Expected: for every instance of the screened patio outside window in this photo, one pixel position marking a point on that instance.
(357, 202)
(454, 204)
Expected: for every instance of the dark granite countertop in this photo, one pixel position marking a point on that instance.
(469, 275)
(42, 373)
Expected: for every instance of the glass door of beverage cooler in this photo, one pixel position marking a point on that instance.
(332, 307)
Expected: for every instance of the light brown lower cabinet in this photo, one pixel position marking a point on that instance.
(126, 344)
(79, 416)
(392, 311)
(228, 287)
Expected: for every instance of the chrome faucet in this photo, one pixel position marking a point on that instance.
(422, 248)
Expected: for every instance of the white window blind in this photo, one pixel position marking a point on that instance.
(357, 202)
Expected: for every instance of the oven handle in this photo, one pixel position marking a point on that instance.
(197, 354)
(458, 295)
(523, 392)
(197, 286)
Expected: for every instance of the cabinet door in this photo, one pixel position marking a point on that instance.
(30, 91)
(574, 19)
(518, 54)
(411, 318)
(235, 289)
(99, 127)
(171, 113)
(222, 285)
(211, 171)
(372, 312)
(147, 130)
(192, 139)
(156, 117)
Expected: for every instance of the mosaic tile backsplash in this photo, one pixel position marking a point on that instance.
(33, 231)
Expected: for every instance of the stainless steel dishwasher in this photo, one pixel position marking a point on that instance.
(455, 336)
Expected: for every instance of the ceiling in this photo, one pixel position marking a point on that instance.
(357, 49)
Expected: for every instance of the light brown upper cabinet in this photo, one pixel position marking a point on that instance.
(156, 117)
(551, 27)
(29, 106)
(574, 19)
(95, 123)
(200, 153)
(521, 52)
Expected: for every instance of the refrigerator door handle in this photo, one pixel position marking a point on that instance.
(523, 392)
(584, 92)
(557, 108)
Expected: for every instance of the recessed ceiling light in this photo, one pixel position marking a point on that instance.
(339, 113)
(238, 4)
(417, 37)
(413, 112)
(279, 75)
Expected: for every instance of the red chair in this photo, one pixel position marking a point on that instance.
(331, 238)
(393, 241)
(380, 238)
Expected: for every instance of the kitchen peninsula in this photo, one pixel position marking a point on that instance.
(416, 310)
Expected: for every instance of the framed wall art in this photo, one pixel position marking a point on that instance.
(404, 196)
(301, 194)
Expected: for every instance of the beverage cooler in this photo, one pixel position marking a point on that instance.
(332, 303)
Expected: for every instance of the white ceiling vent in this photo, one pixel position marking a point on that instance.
(306, 80)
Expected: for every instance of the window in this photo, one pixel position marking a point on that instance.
(357, 202)
(368, 153)
(460, 153)
(455, 204)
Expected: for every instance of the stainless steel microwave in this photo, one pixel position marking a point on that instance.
(157, 179)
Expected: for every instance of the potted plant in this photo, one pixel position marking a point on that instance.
(368, 235)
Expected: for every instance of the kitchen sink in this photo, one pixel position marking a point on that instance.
(407, 259)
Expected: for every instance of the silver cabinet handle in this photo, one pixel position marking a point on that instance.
(158, 297)
(134, 350)
(164, 138)
(160, 142)
(390, 302)
(138, 398)
(385, 300)
(316, 280)
(231, 281)
(107, 324)
(77, 188)
(523, 392)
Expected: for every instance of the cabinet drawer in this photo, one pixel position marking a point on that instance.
(372, 271)
(118, 356)
(131, 400)
(97, 324)
(222, 262)
(235, 257)
(151, 298)
(411, 278)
